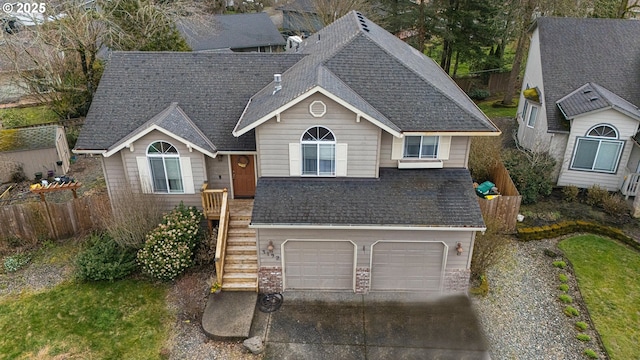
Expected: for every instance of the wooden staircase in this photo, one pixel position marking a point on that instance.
(241, 258)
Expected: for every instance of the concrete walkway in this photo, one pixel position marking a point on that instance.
(348, 326)
(229, 314)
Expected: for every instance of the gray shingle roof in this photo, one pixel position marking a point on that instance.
(576, 51)
(436, 198)
(230, 31)
(593, 97)
(377, 73)
(212, 89)
(33, 138)
(174, 120)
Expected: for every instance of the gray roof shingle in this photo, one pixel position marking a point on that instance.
(593, 97)
(377, 73)
(433, 198)
(211, 89)
(577, 51)
(235, 31)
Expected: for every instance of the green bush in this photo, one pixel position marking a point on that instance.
(565, 298)
(530, 173)
(104, 259)
(583, 337)
(560, 264)
(596, 195)
(571, 311)
(479, 94)
(168, 249)
(563, 287)
(16, 262)
(570, 193)
(590, 354)
(582, 326)
(563, 278)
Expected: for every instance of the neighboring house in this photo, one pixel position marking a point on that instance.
(41, 149)
(239, 32)
(355, 152)
(299, 17)
(580, 97)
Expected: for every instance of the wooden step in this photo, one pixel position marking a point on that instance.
(242, 240)
(244, 223)
(240, 259)
(240, 218)
(233, 249)
(239, 277)
(242, 268)
(240, 286)
(246, 232)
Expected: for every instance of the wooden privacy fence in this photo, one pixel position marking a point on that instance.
(34, 220)
(503, 208)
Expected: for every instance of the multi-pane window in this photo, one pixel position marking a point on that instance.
(421, 147)
(164, 163)
(318, 146)
(599, 150)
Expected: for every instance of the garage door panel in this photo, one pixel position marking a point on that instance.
(326, 265)
(407, 266)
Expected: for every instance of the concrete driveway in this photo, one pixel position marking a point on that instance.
(348, 326)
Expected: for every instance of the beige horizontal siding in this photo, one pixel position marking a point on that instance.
(273, 138)
(364, 239)
(218, 172)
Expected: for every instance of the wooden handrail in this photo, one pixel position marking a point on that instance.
(221, 245)
(212, 202)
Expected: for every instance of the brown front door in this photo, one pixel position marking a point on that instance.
(244, 176)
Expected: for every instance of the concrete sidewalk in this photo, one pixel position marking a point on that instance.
(349, 326)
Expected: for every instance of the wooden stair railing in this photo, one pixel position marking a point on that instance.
(221, 245)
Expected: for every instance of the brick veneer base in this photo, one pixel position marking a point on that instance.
(456, 280)
(270, 279)
(362, 280)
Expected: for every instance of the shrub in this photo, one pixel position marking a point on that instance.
(206, 250)
(563, 278)
(563, 287)
(550, 253)
(615, 205)
(590, 354)
(582, 326)
(530, 172)
(583, 337)
(484, 155)
(570, 193)
(596, 195)
(565, 298)
(479, 94)
(104, 259)
(168, 249)
(489, 248)
(134, 216)
(483, 288)
(560, 264)
(18, 175)
(571, 311)
(16, 262)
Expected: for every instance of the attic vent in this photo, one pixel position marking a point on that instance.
(317, 108)
(277, 79)
(593, 98)
(364, 25)
(586, 91)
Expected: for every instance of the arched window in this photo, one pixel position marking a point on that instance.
(318, 146)
(599, 150)
(164, 162)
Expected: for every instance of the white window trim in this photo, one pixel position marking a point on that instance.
(164, 156)
(318, 143)
(600, 140)
(527, 117)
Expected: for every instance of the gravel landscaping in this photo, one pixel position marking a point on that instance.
(522, 316)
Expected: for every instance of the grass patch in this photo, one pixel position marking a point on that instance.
(581, 325)
(497, 112)
(563, 278)
(560, 264)
(571, 311)
(591, 354)
(563, 287)
(121, 320)
(565, 298)
(605, 271)
(583, 337)
(32, 115)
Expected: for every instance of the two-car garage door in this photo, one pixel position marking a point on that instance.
(395, 265)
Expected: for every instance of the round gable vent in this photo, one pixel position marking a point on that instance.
(317, 108)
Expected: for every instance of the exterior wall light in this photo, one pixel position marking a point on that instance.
(459, 249)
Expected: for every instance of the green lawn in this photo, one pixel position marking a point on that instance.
(609, 279)
(122, 320)
(497, 112)
(26, 116)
